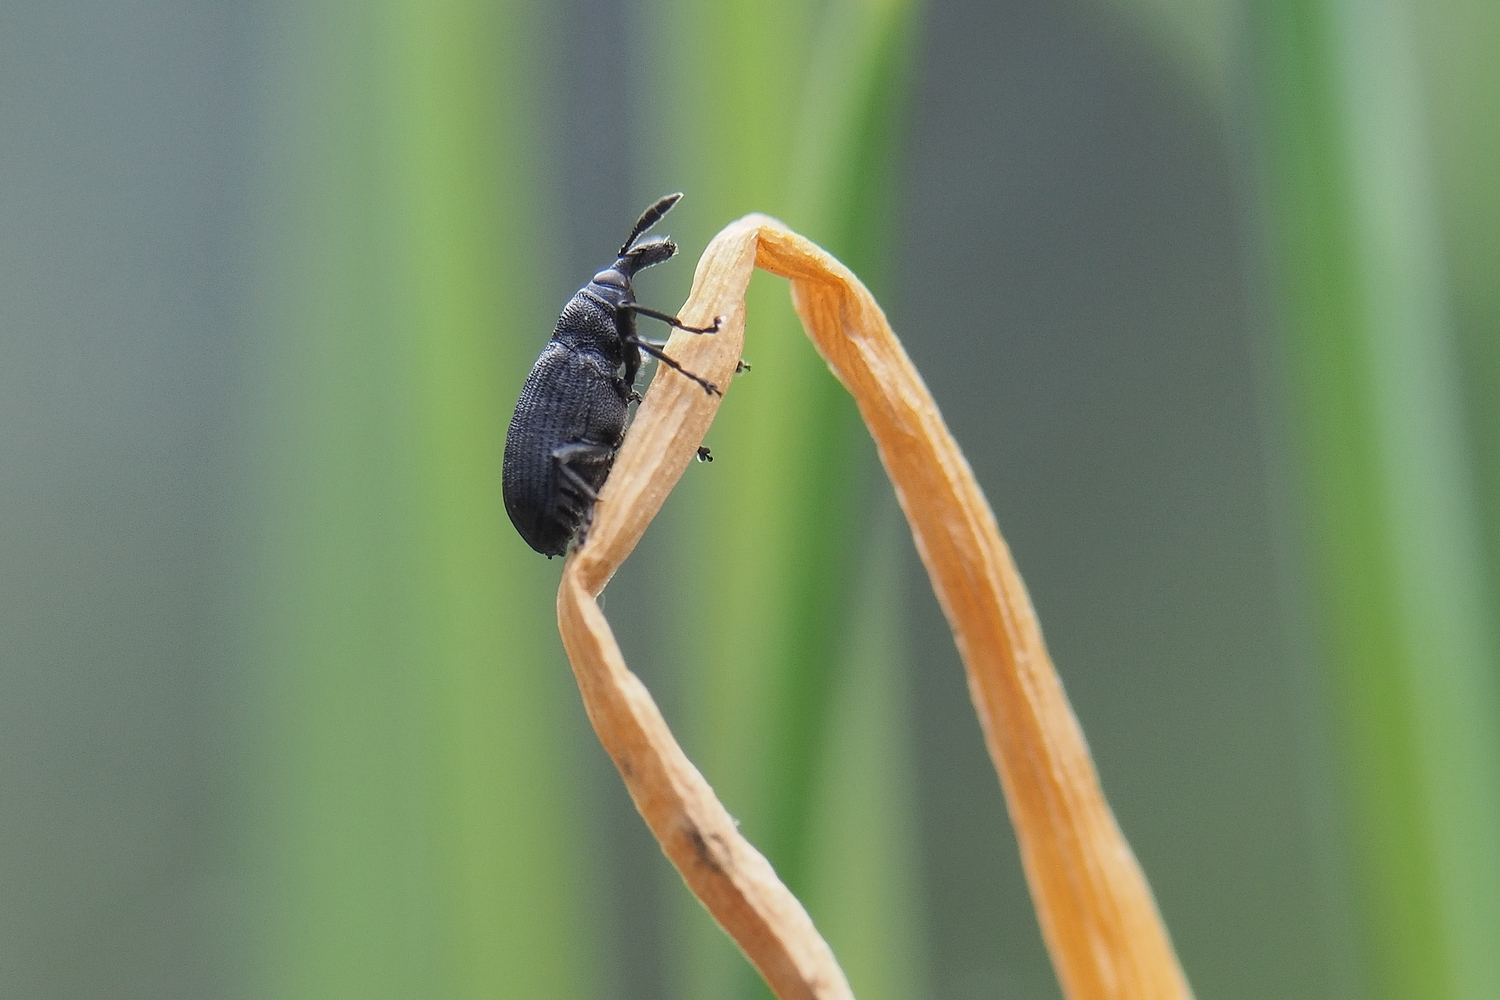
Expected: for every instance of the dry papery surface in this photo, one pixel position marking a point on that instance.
(1096, 911)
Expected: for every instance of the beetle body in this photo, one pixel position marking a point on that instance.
(571, 415)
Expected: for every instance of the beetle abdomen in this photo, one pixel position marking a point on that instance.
(561, 443)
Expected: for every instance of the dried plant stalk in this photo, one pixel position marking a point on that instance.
(1096, 911)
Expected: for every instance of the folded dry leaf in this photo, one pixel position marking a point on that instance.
(1096, 911)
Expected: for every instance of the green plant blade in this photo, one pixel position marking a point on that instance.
(413, 821)
(1376, 411)
(796, 115)
(1461, 85)
(862, 873)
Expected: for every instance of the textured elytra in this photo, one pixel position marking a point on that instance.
(571, 414)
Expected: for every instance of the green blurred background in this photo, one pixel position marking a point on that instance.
(1209, 293)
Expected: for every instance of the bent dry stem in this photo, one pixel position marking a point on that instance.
(1096, 911)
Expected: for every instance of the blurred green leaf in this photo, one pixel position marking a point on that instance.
(787, 109)
(863, 877)
(414, 818)
(1459, 41)
(1376, 408)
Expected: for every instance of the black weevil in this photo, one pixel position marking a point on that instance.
(570, 418)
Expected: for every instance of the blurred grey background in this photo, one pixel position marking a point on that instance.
(1072, 282)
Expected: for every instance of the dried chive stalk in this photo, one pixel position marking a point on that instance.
(1096, 911)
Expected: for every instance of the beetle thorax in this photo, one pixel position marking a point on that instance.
(594, 321)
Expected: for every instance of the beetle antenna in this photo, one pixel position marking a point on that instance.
(649, 218)
(646, 254)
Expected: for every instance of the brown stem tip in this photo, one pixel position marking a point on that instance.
(1096, 910)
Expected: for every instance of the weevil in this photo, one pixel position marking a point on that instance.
(570, 419)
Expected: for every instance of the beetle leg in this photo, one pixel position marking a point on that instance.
(567, 454)
(578, 482)
(671, 320)
(740, 367)
(660, 355)
(575, 497)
